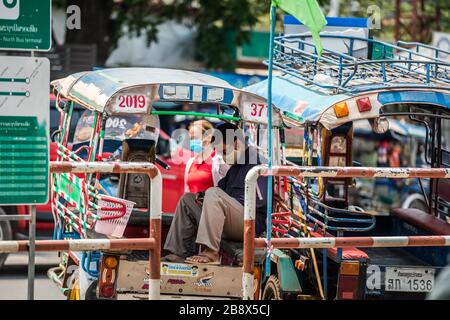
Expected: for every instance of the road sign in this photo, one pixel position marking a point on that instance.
(24, 130)
(25, 24)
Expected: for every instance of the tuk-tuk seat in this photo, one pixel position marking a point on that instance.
(423, 220)
(234, 250)
(351, 253)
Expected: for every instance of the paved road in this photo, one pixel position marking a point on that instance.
(13, 277)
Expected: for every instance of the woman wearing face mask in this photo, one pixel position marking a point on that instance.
(205, 168)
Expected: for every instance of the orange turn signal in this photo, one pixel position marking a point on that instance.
(341, 109)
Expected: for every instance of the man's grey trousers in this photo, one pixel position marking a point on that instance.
(221, 216)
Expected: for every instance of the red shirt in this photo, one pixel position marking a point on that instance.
(199, 176)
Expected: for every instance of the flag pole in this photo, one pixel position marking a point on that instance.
(273, 9)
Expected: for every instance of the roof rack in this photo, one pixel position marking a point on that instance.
(368, 64)
(428, 50)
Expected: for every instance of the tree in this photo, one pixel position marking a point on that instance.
(102, 23)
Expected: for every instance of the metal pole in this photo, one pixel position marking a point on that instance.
(32, 239)
(154, 288)
(249, 232)
(31, 252)
(273, 11)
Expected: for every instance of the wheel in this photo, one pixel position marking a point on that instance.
(419, 204)
(415, 201)
(5, 234)
(272, 289)
(91, 292)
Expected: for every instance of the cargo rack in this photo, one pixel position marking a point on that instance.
(381, 65)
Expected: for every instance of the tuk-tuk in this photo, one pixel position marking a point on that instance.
(121, 123)
(358, 79)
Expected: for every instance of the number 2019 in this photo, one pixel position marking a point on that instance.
(136, 102)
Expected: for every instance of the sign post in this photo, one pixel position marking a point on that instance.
(24, 130)
(24, 139)
(25, 24)
(24, 111)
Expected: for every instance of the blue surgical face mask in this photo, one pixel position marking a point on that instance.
(196, 146)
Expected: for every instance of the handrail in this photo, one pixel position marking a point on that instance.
(329, 220)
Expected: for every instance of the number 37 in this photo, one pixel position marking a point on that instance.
(257, 109)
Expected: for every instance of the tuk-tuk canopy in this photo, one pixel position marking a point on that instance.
(293, 97)
(134, 90)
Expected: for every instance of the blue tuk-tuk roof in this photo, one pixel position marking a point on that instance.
(294, 98)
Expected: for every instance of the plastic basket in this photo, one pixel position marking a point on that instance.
(113, 220)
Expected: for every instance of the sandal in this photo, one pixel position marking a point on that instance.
(204, 256)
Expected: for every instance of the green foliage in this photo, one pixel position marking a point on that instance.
(223, 24)
(215, 21)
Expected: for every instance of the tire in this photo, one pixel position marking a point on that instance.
(5, 235)
(415, 201)
(272, 289)
(91, 292)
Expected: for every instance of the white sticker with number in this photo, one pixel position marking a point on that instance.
(131, 103)
(255, 111)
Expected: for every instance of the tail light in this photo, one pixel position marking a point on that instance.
(109, 267)
(364, 104)
(349, 282)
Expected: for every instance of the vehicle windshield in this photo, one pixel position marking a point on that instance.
(145, 127)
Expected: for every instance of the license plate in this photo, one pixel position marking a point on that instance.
(409, 279)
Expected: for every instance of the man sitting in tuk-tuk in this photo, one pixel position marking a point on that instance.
(205, 219)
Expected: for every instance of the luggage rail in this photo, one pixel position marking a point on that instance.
(250, 242)
(335, 72)
(417, 47)
(328, 218)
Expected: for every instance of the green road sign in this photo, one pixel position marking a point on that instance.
(24, 130)
(25, 24)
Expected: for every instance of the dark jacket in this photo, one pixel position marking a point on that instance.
(234, 185)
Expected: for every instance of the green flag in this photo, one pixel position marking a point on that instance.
(309, 13)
